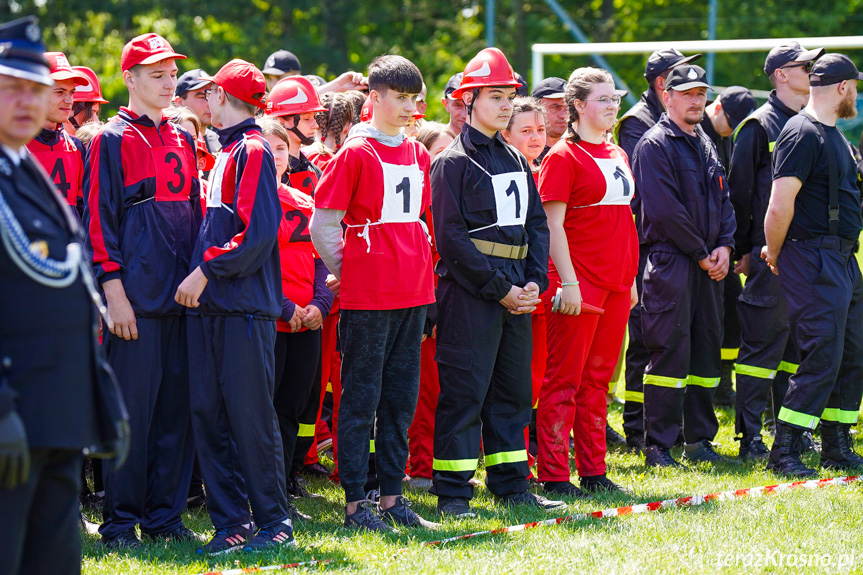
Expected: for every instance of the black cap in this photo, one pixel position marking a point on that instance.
(316, 80)
(192, 80)
(281, 62)
(663, 60)
(452, 84)
(21, 51)
(832, 69)
(521, 90)
(686, 77)
(550, 88)
(787, 53)
(737, 103)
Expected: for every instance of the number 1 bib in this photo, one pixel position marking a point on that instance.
(619, 184)
(510, 198)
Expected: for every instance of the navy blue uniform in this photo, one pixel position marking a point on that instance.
(483, 351)
(821, 279)
(686, 214)
(232, 335)
(628, 132)
(767, 357)
(142, 214)
(48, 358)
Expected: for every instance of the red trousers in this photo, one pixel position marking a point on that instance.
(330, 374)
(582, 354)
(421, 431)
(538, 360)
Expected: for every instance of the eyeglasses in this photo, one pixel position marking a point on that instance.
(606, 100)
(208, 92)
(807, 65)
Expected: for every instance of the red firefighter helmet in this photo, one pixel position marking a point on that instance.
(488, 68)
(293, 95)
(367, 110)
(92, 91)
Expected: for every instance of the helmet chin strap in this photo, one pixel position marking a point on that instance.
(475, 93)
(304, 140)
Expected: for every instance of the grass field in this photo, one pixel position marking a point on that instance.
(802, 531)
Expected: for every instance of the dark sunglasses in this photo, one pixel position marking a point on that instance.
(807, 65)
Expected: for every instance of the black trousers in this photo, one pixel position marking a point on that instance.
(39, 530)
(483, 356)
(232, 376)
(298, 393)
(637, 358)
(767, 355)
(682, 321)
(154, 378)
(380, 377)
(824, 293)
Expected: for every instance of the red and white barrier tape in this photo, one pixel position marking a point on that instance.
(690, 501)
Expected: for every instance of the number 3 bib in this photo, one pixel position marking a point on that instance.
(173, 169)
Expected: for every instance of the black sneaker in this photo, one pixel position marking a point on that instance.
(402, 514)
(455, 507)
(655, 456)
(599, 484)
(753, 449)
(366, 518)
(635, 442)
(613, 440)
(279, 535)
(373, 496)
(702, 451)
(227, 541)
(531, 500)
(127, 539)
(564, 488)
(181, 533)
(297, 491)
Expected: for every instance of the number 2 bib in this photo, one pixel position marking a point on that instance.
(619, 184)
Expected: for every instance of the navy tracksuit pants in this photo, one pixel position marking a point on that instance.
(824, 293)
(637, 358)
(232, 377)
(151, 488)
(767, 356)
(682, 323)
(483, 356)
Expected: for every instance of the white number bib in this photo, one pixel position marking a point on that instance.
(214, 183)
(510, 198)
(619, 184)
(403, 193)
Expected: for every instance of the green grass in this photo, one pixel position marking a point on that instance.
(787, 532)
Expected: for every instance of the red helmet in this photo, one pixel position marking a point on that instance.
(366, 112)
(92, 92)
(293, 95)
(488, 68)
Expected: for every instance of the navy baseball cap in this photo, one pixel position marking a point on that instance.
(521, 89)
(452, 84)
(550, 88)
(192, 80)
(663, 60)
(737, 103)
(832, 69)
(787, 53)
(687, 77)
(22, 51)
(281, 62)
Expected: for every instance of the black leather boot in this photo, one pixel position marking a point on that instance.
(837, 448)
(785, 455)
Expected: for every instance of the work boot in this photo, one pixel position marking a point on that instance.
(635, 442)
(613, 440)
(655, 456)
(837, 448)
(563, 488)
(455, 507)
(724, 395)
(809, 443)
(752, 448)
(702, 451)
(785, 455)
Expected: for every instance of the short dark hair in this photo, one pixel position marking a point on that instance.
(391, 72)
(235, 102)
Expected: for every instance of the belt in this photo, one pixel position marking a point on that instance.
(501, 250)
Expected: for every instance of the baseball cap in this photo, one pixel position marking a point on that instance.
(23, 51)
(242, 80)
(192, 80)
(832, 69)
(521, 89)
(737, 103)
(550, 88)
(663, 60)
(281, 62)
(686, 77)
(790, 52)
(62, 70)
(146, 49)
(452, 84)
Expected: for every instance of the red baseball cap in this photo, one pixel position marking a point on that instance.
(61, 70)
(244, 81)
(146, 49)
